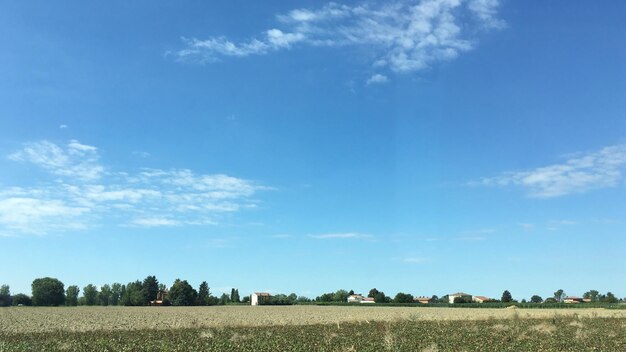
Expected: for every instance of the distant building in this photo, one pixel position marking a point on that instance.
(355, 299)
(161, 295)
(465, 296)
(259, 298)
(481, 299)
(423, 300)
(573, 300)
(360, 299)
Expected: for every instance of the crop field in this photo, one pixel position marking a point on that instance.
(310, 328)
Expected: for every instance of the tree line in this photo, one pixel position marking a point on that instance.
(49, 291)
(380, 297)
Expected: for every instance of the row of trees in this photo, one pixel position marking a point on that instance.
(49, 291)
(507, 297)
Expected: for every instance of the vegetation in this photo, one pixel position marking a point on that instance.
(5, 296)
(48, 291)
(234, 328)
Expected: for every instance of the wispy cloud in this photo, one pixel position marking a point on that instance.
(580, 173)
(82, 193)
(377, 78)
(153, 222)
(404, 36)
(74, 160)
(345, 235)
(37, 216)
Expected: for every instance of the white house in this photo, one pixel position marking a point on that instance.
(360, 299)
(355, 299)
(465, 296)
(258, 298)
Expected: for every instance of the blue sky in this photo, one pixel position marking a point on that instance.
(427, 147)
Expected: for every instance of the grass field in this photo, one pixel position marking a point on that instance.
(310, 328)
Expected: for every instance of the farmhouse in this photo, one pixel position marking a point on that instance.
(160, 297)
(355, 299)
(466, 297)
(572, 299)
(259, 298)
(360, 299)
(423, 300)
(481, 299)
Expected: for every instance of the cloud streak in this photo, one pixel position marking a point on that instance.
(404, 36)
(82, 194)
(74, 160)
(578, 174)
(345, 235)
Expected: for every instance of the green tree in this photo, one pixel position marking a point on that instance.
(403, 298)
(71, 296)
(48, 291)
(373, 292)
(116, 294)
(593, 295)
(340, 296)
(559, 295)
(300, 299)
(150, 288)
(610, 298)
(203, 294)
(325, 297)
(380, 297)
(536, 299)
(22, 299)
(182, 294)
(90, 292)
(234, 295)
(104, 297)
(132, 294)
(5, 296)
(224, 299)
(506, 296)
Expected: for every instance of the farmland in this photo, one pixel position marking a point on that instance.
(304, 328)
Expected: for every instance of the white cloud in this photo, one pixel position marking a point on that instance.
(579, 174)
(346, 235)
(76, 160)
(404, 36)
(377, 78)
(153, 222)
(37, 216)
(62, 127)
(150, 198)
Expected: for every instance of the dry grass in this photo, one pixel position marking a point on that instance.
(28, 319)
